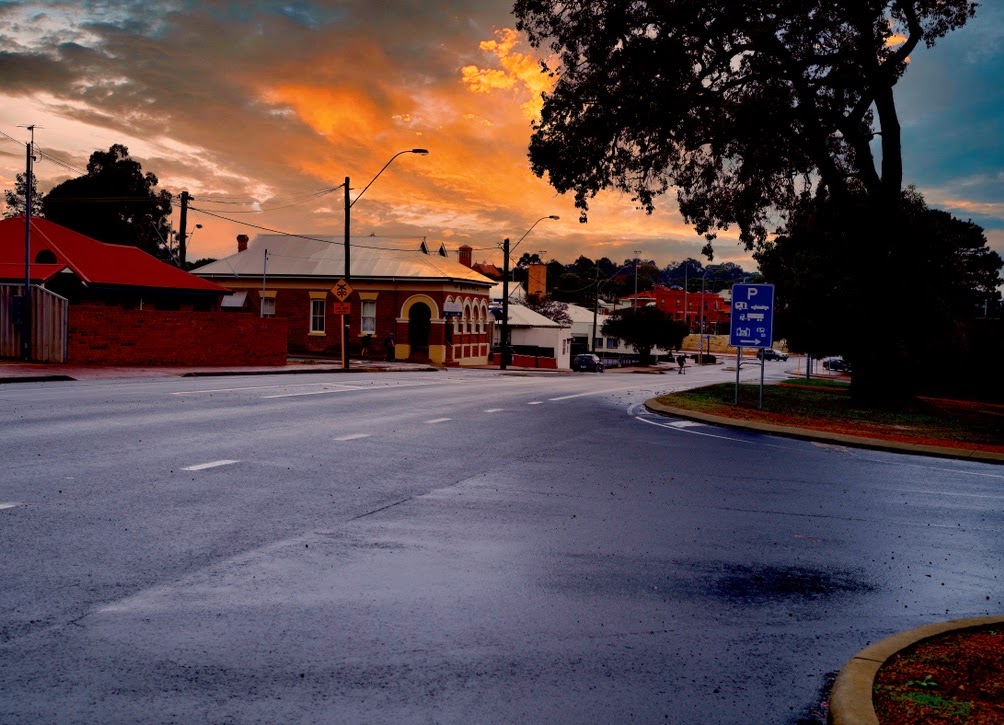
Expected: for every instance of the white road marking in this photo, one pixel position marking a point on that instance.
(494, 410)
(313, 385)
(686, 423)
(211, 464)
(670, 426)
(7, 505)
(536, 402)
(251, 387)
(438, 420)
(353, 437)
(343, 389)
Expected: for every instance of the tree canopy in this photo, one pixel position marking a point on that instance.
(114, 203)
(645, 328)
(833, 301)
(14, 198)
(743, 107)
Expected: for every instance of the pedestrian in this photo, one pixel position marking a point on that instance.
(682, 360)
(389, 345)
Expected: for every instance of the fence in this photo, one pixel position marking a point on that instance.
(49, 324)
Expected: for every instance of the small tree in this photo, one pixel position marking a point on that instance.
(549, 308)
(14, 198)
(645, 328)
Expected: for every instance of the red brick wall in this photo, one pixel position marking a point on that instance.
(115, 336)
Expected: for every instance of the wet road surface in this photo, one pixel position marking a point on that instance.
(454, 547)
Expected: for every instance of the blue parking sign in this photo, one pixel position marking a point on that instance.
(752, 323)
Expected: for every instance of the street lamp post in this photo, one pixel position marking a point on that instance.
(349, 203)
(506, 251)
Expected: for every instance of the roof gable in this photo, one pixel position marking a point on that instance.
(94, 262)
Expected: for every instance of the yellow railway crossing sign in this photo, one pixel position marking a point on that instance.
(341, 290)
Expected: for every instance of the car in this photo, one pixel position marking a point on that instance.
(771, 354)
(588, 362)
(837, 365)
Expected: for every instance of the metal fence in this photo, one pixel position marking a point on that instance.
(50, 317)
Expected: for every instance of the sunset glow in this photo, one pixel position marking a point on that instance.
(261, 112)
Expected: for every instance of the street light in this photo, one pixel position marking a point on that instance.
(349, 203)
(504, 347)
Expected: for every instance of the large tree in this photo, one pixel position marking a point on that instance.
(115, 203)
(645, 328)
(746, 108)
(828, 301)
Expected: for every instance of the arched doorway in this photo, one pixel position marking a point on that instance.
(419, 325)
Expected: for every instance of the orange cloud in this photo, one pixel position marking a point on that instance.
(519, 71)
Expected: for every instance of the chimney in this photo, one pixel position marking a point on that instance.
(242, 242)
(537, 279)
(465, 255)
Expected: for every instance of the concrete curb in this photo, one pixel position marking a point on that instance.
(851, 695)
(966, 454)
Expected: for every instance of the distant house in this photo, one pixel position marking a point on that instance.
(691, 307)
(436, 308)
(112, 304)
(536, 341)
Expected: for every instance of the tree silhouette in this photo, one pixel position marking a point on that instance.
(14, 198)
(114, 203)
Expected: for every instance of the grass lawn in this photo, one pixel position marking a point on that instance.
(826, 405)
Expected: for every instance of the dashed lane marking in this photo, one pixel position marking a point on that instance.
(536, 402)
(494, 410)
(7, 505)
(211, 464)
(438, 420)
(353, 437)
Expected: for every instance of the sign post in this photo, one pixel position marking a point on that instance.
(752, 323)
(341, 291)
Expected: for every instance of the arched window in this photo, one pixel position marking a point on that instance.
(45, 256)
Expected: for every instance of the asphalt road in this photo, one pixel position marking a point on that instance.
(461, 546)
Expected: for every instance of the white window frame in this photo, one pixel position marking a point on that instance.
(316, 304)
(367, 322)
(268, 306)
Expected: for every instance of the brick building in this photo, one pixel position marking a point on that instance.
(687, 307)
(110, 304)
(437, 308)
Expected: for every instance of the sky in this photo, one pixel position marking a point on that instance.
(261, 109)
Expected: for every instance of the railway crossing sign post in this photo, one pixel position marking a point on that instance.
(341, 291)
(752, 324)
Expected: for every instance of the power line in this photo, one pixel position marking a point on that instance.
(302, 236)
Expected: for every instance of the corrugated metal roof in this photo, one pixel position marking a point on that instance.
(94, 262)
(325, 257)
(520, 316)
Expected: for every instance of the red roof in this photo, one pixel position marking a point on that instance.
(94, 262)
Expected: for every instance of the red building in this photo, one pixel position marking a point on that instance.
(689, 307)
(110, 304)
(437, 308)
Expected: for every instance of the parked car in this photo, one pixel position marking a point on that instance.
(587, 361)
(771, 354)
(837, 364)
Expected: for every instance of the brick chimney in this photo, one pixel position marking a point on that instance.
(537, 279)
(465, 255)
(242, 242)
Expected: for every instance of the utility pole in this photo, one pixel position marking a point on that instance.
(504, 346)
(634, 302)
(26, 295)
(596, 310)
(348, 274)
(183, 227)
